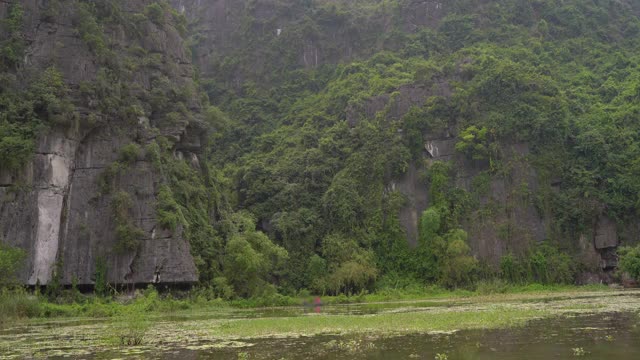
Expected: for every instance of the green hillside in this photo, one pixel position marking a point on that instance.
(560, 76)
(318, 122)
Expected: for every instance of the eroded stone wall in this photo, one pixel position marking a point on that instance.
(53, 208)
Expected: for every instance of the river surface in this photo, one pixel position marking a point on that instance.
(573, 335)
(601, 336)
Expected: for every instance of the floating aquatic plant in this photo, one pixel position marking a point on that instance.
(578, 351)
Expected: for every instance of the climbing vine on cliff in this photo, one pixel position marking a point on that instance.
(26, 114)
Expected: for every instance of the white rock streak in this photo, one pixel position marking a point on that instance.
(56, 169)
(48, 235)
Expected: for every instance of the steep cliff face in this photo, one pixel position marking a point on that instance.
(57, 206)
(337, 112)
(239, 40)
(509, 218)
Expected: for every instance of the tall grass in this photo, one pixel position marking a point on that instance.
(17, 304)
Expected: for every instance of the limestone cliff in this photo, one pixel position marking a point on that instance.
(90, 194)
(55, 207)
(508, 218)
(237, 40)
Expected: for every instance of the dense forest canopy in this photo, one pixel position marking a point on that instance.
(310, 130)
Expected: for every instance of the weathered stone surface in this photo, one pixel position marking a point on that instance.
(587, 253)
(221, 24)
(396, 106)
(507, 221)
(415, 190)
(47, 236)
(606, 234)
(441, 149)
(53, 208)
(629, 234)
(609, 259)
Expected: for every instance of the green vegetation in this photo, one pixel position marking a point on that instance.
(11, 259)
(294, 191)
(176, 324)
(578, 351)
(155, 13)
(24, 114)
(309, 139)
(168, 211)
(629, 261)
(398, 323)
(499, 75)
(14, 301)
(128, 234)
(17, 303)
(474, 142)
(251, 258)
(130, 153)
(90, 31)
(544, 264)
(12, 45)
(101, 286)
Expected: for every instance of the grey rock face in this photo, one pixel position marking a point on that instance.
(217, 22)
(507, 220)
(606, 235)
(398, 104)
(441, 149)
(220, 25)
(414, 189)
(53, 208)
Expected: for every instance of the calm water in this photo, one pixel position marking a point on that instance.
(603, 335)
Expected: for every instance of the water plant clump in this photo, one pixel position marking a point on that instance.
(350, 346)
(129, 329)
(578, 351)
(132, 332)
